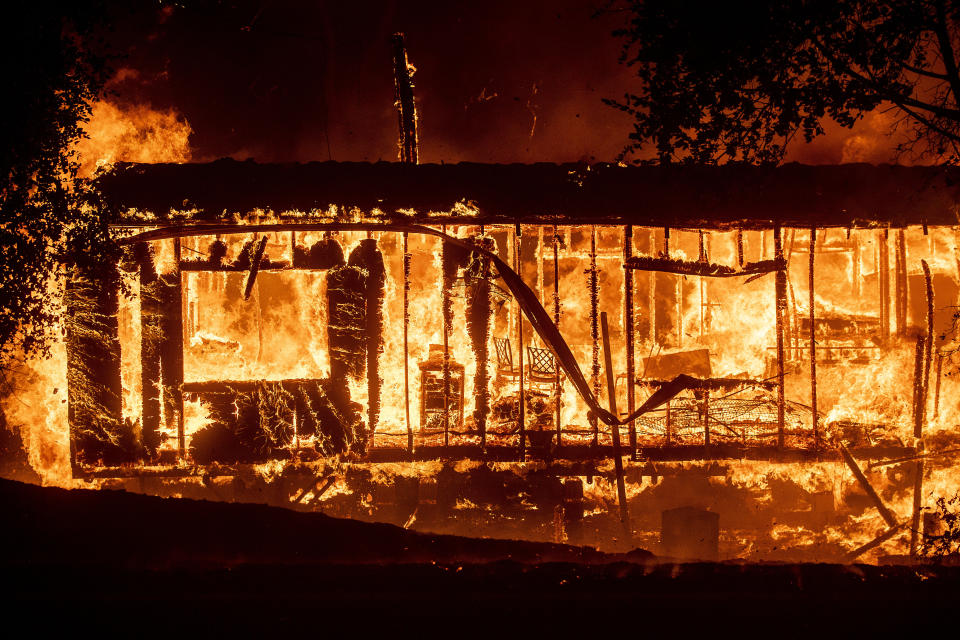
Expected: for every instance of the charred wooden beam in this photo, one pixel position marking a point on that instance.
(917, 503)
(702, 269)
(911, 458)
(347, 327)
(521, 404)
(936, 395)
(556, 321)
(901, 283)
(883, 267)
(873, 544)
(452, 258)
(780, 286)
(922, 386)
(406, 107)
(857, 269)
(255, 258)
(712, 384)
(593, 285)
(813, 339)
(867, 487)
(928, 350)
(679, 301)
(615, 429)
(628, 324)
(369, 258)
(406, 347)
(171, 349)
(479, 310)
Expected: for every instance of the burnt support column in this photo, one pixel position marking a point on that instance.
(521, 408)
(406, 108)
(406, 348)
(368, 257)
(781, 309)
(883, 268)
(447, 321)
(615, 429)
(922, 387)
(171, 349)
(813, 341)
(150, 345)
(652, 294)
(901, 284)
(593, 282)
(628, 325)
(556, 321)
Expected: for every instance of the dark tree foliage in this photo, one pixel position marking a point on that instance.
(731, 81)
(53, 65)
(945, 542)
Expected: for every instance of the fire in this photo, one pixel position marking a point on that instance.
(137, 133)
(38, 386)
(280, 327)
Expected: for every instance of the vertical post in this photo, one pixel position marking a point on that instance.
(918, 384)
(446, 361)
(901, 283)
(518, 247)
(615, 428)
(706, 417)
(781, 304)
(679, 311)
(171, 357)
(813, 342)
(856, 268)
(702, 282)
(667, 420)
(918, 408)
(406, 107)
(928, 356)
(883, 266)
(740, 247)
(652, 292)
(540, 292)
(922, 411)
(150, 346)
(409, 153)
(594, 285)
(406, 347)
(556, 321)
(628, 318)
(936, 396)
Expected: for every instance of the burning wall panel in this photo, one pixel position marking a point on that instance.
(279, 332)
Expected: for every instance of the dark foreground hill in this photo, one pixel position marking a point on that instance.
(85, 562)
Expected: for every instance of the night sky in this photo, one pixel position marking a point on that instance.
(496, 81)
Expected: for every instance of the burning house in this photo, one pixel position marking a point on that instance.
(560, 352)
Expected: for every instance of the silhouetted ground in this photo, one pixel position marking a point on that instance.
(94, 562)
